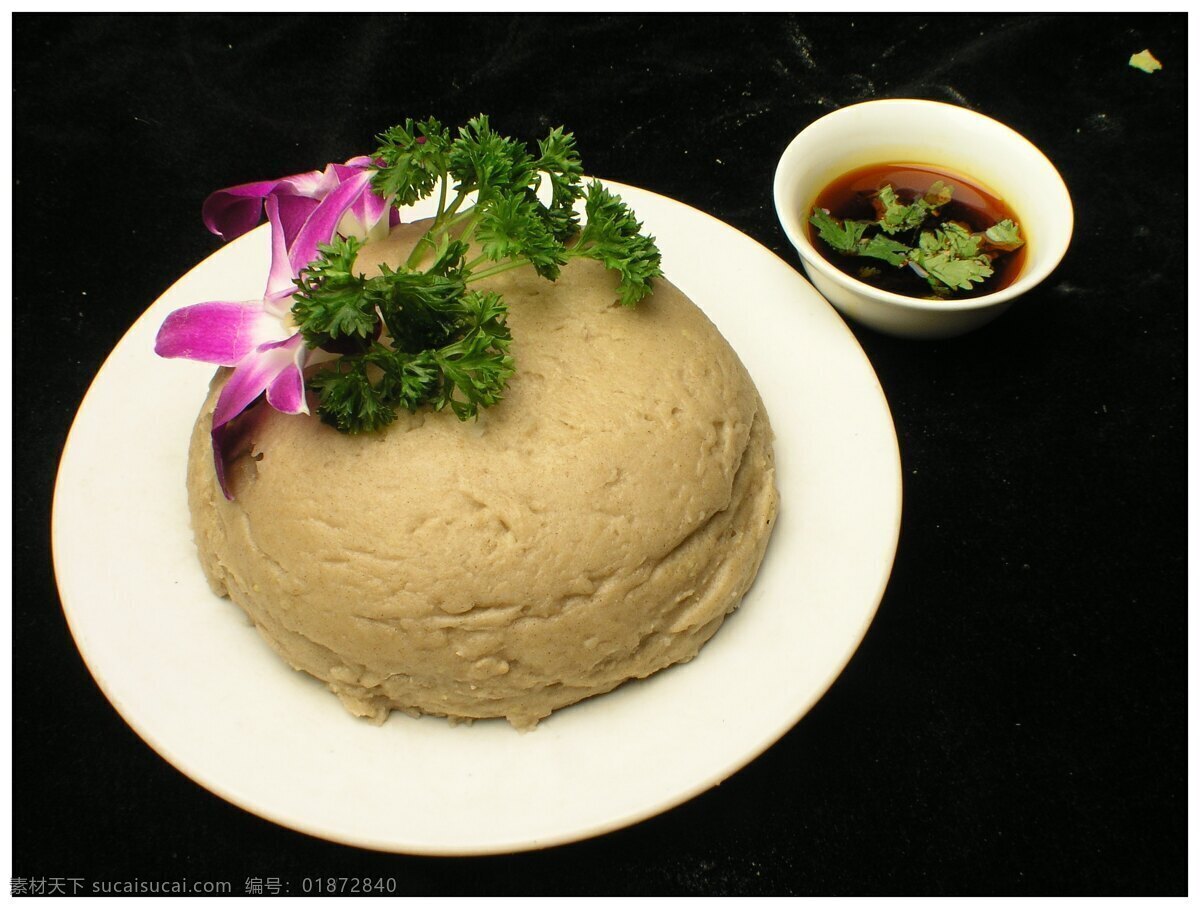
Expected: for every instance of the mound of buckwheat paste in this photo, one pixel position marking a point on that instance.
(595, 526)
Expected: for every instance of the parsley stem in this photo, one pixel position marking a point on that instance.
(454, 206)
(419, 247)
(496, 270)
(442, 198)
(445, 217)
(440, 224)
(577, 249)
(449, 220)
(461, 217)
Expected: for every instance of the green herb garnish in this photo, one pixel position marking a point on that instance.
(447, 345)
(949, 256)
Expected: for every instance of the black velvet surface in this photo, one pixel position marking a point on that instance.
(1015, 720)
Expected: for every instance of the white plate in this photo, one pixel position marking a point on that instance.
(199, 685)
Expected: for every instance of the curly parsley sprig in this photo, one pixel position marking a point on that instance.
(447, 345)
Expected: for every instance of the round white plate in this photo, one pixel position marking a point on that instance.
(196, 681)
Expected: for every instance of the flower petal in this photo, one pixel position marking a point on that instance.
(286, 393)
(234, 439)
(231, 212)
(280, 277)
(293, 212)
(279, 304)
(313, 183)
(366, 218)
(218, 332)
(322, 224)
(254, 374)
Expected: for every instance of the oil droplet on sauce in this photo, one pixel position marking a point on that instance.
(849, 196)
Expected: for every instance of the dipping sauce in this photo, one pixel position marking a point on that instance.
(851, 196)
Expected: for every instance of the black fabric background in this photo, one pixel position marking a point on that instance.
(1014, 722)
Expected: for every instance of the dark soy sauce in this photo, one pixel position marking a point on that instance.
(849, 196)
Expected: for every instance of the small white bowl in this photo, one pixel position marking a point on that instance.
(941, 136)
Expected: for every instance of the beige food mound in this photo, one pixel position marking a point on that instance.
(594, 527)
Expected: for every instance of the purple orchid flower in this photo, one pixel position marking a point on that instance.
(231, 212)
(259, 338)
